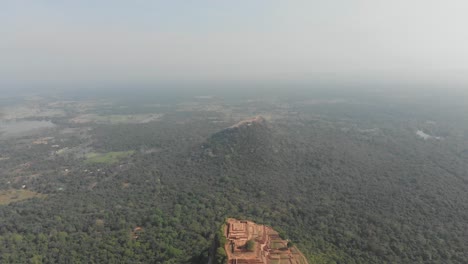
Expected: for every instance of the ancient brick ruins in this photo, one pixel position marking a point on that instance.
(266, 246)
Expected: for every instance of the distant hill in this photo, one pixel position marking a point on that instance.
(248, 137)
(247, 152)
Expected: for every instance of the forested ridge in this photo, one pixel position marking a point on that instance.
(343, 191)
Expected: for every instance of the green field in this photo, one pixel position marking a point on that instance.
(12, 195)
(115, 119)
(107, 158)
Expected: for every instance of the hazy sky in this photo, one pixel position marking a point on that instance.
(139, 40)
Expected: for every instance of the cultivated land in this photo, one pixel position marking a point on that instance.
(266, 246)
(12, 195)
(108, 158)
(116, 119)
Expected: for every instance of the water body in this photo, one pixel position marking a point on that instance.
(22, 128)
(426, 136)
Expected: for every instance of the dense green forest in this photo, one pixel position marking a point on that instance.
(348, 180)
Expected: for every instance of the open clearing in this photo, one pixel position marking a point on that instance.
(13, 195)
(107, 158)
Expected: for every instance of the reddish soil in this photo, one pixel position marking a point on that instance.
(269, 248)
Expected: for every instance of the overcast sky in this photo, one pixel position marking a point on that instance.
(97, 41)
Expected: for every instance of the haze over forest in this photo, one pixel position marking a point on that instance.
(140, 132)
